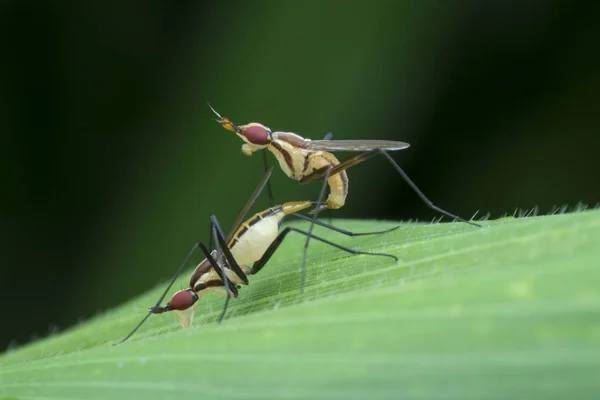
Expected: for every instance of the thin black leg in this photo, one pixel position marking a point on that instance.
(340, 230)
(223, 274)
(310, 229)
(211, 241)
(258, 265)
(162, 297)
(232, 288)
(251, 200)
(414, 187)
(269, 188)
(321, 173)
(135, 329)
(231, 261)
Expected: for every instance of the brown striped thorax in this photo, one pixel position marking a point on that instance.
(306, 160)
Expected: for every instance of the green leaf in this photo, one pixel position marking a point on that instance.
(511, 310)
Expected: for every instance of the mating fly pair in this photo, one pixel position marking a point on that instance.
(244, 251)
(251, 243)
(305, 160)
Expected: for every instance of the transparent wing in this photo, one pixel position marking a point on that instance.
(356, 145)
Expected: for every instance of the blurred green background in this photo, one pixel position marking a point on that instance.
(112, 164)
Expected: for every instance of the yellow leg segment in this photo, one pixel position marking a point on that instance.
(295, 206)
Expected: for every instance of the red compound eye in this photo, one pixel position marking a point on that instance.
(182, 300)
(257, 134)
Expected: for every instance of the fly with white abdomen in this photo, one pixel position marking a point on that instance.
(243, 252)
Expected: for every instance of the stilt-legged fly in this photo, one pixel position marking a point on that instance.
(244, 251)
(306, 160)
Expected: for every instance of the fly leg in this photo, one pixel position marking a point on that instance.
(326, 172)
(328, 136)
(215, 265)
(310, 229)
(223, 249)
(229, 286)
(269, 188)
(251, 200)
(162, 297)
(258, 265)
(219, 237)
(340, 230)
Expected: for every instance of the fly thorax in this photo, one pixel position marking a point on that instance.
(283, 158)
(292, 159)
(293, 139)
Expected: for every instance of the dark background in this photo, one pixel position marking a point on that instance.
(112, 164)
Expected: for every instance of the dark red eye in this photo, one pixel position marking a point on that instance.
(256, 134)
(183, 300)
